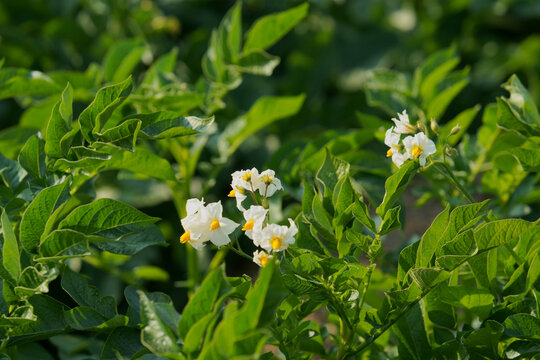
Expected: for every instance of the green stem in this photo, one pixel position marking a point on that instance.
(239, 252)
(448, 173)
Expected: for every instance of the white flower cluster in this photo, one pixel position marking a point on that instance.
(417, 146)
(206, 223)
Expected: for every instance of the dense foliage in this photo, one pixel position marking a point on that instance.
(123, 121)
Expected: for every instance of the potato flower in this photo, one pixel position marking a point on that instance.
(242, 183)
(267, 183)
(419, 147)
(403, 126)
(392, 139)
(206, 223)
(261, 258)
(254, 216)
(276, 237)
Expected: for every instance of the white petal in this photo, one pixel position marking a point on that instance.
(219, 237)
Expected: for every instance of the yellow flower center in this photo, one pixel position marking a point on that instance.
(267, 179)
(246, 176)
(214, 225)
(185, 238)
(389, 153)
(416, 151)
(264, 260)
(248, 225)
(232, 193)
(276, 242)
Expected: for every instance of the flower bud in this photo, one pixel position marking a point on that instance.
(450, 151)
(434, 126)
(455, 130)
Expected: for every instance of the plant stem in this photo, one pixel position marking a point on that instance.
(448, 173)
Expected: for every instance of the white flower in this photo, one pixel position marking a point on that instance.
(419, 147)
(391, 139)
(206, 223)
(242, 182)
(267, 183)
(403, 126)
(261, 258)
(254, 220)
(276, 237)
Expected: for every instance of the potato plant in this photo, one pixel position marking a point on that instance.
(312, 223)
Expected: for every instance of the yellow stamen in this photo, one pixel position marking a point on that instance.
(185, 238)
(232, 193)
(267, 179)
(214, 225)
(264, 260)
(416, 151)
(389, 153)
(240, 190)
(276, 242)
(248, 225)
(246, 176)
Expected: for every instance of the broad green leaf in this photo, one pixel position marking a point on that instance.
(522, 349)
(265, 111)
(107, 99)
(10, 250)
(484, 342)
(528, 158)
(36, 215)
(518, 112)
(156, 335)
(433, 70)
(269, 29)
(88, 296)
(32, 157)
(523, 326)
(105, 217)
(500, 232)
(306, 265)
(479, 301)
(464, 120)
(22, 82)
(122, 59)
(427, 278)
(152, 273)
(343, 196)
(258, 63)
(429, 241)
(134, 241)
(390, 221)
(123, 135)
(168, 124)
(231, 32)
(361, 213)
(446, 91)
(141, 161)
(410, 331)
(389, 90)
(407, 259)
(50, 320)
(202, 301)
(86, 318)
(122, 341)
(195, 334)
(457, 251)
(331, 171)
(534, 272)
(58, 125)
(11, 172)
(395, 185)
(61, 244)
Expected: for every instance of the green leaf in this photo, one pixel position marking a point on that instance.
(258, 63)
(457, 251)
(36, 215)
(35, 280)
(195, 334)
(330, 172)
(58, 125)
(164, 65)
(11, 172)
(62, 244)
(265, 111)
(105, 217)
(390, 221)
(407, 259)
(141, 161)
(500, 232)
(10, 250)
(523, 326)
(411, 333)
(361, 213)
(152, 273)
(32, 157)
(123, 135)
(122, 58)
(269, 29)
(168, 124)
(528, 158)
(519, 112)
(484, 342)
(395, 185)
(86, 318)
(429, 241)
(434, 70)
(306, 265)
(464, 120)
(479, 301)
(22, 82)
(231, 31)
(122, 341)
(389, 90)
(156, 335)
(107, 99)
(446, 91)
(427, 278)
(202, 301)
(88, 296)
(133, 242)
